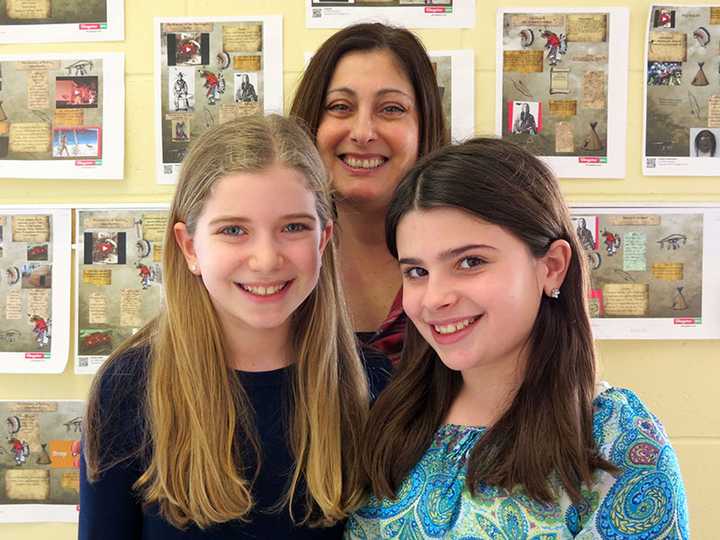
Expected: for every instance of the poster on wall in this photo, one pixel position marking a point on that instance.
(408, 13)
(118, 277)
(40, 460)
(53, 21)
(653, 270)
(209, 71)
(34, 281)
(62, 116)
(682, 91)
(562, 87)
(455, 75)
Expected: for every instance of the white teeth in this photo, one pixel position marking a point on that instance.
(263, 291)
(363, 163)
(455, 327)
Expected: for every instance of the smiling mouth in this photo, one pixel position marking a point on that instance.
(447, 329)
(357, 163)
(259, 290)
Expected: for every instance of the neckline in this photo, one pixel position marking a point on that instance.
(272, 377)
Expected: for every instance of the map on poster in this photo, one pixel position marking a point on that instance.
(34, 280)
(40, 460)
(651, 271)
(682, 92)
(209, 71)
(409, 13)
(118, 279)
(52, 21)
(61, 116)
(562, 87)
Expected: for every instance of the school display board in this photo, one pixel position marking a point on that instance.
(409, 13)
(34, 279)
(40, 460)
(681, 130)
(118, 277)
(209, 71)
(52, 21)
(62, 116)
(653, 270)
(562, 87)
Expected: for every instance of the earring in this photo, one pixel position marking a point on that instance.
(554, 293)
(194, 268)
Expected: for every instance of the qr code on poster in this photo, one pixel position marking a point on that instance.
(317, 13)
(83, 362)
(650, 163)
(168, 169)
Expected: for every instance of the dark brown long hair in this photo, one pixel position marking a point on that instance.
(309, 101)
(547, 429)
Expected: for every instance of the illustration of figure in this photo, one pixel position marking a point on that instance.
(20, 450)
(41, 330)
(63, 145)
(145, 274)
(612, 242)
(585, 235)
(181, 93)
(555, 44)
(525, 122)
(215, 85)
(180, 133)
(705, 144)
(246, 93)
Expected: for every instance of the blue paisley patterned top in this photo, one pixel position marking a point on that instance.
(646, 501)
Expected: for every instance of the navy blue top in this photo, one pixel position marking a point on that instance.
(110, 509)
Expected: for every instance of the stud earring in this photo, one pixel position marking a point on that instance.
(193, 268)
(554, 293)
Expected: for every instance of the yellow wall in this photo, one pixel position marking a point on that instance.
(677, 379)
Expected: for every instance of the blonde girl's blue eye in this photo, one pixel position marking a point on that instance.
(295, 227)
(415, 272)
(232, 230)
(470, 262)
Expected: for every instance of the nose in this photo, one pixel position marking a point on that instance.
(265, 256)
(438, 295)
(363, 127)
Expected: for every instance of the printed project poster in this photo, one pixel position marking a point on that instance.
(210, 71)
(409, 13)
(119, 278)
(52, 21)
(40, 460)
(562, 87)
(682, 91)
(61, 116)
(652, 271)
(34, 284)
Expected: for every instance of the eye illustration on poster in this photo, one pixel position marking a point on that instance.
(408, 13)
(562, 87)
(61, 116)
(209, 71)
(34, 279)
(40, 460)
(118, 277)
(651, 270)
(52, 21)
(682, 91)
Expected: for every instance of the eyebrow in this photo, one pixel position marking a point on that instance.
(449, 253)
(243, 219)
(381, 92)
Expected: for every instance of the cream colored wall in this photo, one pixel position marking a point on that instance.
(677, 379)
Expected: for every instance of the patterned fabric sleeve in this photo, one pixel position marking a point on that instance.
(647, 499)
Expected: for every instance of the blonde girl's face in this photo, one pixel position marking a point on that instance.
(257, 246)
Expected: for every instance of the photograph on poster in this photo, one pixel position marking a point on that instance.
(682, 100)
(561, 87)
(41, 21)
(408, 13)
(34, 279)
(649, 271)
(40, 460)
(58, 113)
(209, 71)
(119, 277)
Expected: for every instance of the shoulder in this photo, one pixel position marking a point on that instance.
(377, 368)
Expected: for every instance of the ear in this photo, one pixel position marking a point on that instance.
(325, 236)
(554, 265)
(185, 242)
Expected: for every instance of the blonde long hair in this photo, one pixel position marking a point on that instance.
(194, 467)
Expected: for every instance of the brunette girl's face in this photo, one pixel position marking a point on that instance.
(369, 130)
(471, 288)
(257, 246)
